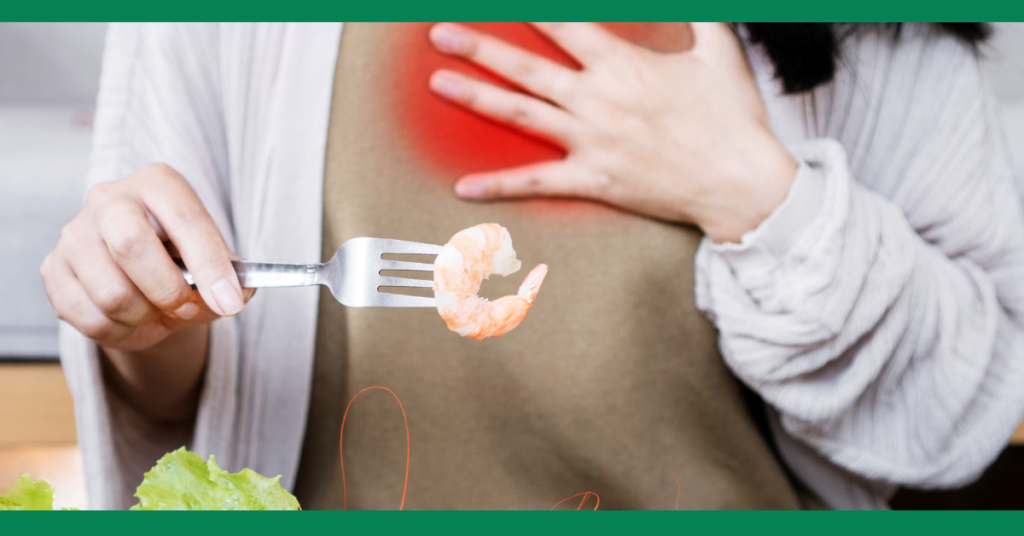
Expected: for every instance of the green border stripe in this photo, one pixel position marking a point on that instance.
(497, 10)
(511, 523)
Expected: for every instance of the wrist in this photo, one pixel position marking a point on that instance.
(162, 381)
(756, 186)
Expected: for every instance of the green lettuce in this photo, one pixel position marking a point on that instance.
(181, 480)
(28, 494)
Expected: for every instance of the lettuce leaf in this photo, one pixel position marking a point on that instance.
(181, 480)
(28, 494)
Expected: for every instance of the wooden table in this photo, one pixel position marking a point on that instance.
(35, 405)
(37, 431)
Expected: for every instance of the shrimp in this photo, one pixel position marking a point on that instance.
(471, 256)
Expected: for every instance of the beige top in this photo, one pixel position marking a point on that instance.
(613, 383)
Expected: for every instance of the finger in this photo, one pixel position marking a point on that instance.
(72, 304)
(136, 251)
(109, 288)
(194, 311)
(175, 205)
(585, 41)
(534, 73)
(519, 110)
(560, 178)
(247, 293)
(197, 311)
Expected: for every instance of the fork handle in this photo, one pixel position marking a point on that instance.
(265, 274)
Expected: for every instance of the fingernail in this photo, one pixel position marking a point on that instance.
(227, 297)
(446, 84)
(447, 38)
(187, 311)
(469, 190)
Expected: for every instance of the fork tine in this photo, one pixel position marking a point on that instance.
(399, 247)
(400, 300)
(404, 282)
(407, 266)
(353, 273)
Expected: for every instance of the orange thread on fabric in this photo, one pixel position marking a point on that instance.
(679, 489)
(341, 445)
(408, 449)
(586, 495)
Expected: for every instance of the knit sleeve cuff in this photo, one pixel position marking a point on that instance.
(763, 246)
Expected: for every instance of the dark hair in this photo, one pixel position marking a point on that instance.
(805, 54)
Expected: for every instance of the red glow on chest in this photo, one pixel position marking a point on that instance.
(455, 141)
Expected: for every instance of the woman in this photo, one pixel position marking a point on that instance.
(860, 263)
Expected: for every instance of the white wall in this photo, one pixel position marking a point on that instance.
(50, 63)
(1004, 61)
(49, 76)
(48, 81)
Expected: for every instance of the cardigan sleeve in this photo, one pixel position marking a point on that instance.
(158, 102)
(879, 308)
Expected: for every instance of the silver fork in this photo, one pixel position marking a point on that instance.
(352, 274)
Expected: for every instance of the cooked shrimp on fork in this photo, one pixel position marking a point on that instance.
(471, 256)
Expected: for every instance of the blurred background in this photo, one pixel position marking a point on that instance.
(49, 77)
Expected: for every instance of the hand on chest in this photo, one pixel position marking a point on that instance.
(457, 141)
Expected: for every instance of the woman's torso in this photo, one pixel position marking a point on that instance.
(612, 385)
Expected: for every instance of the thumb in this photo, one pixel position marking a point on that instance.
(197, 311)
(707, 33)
(560, 178)
(714, 38)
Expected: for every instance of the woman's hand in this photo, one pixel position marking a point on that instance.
(112, 277)
(682, 137)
